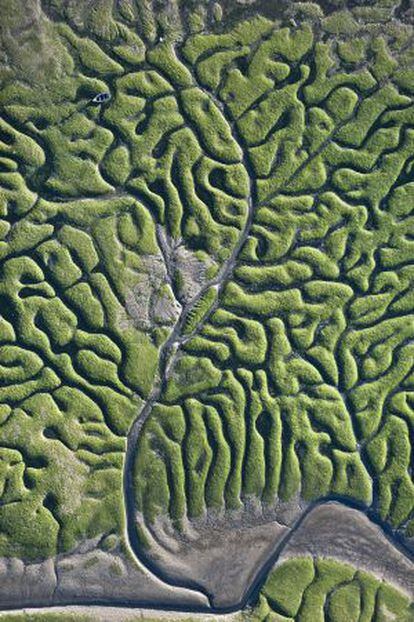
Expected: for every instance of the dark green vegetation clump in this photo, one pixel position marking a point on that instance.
(306, 590)
(224, 247)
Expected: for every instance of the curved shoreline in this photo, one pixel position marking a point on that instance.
(168, 352)
(251, 592)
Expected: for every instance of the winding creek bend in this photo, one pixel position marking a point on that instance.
(170, 349)
(334, 527)
(258, 172)
(168, 354)
(328, 528)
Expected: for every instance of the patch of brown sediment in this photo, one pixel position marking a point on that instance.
(88, 575)
(150, 302)
(92, 574)
(193, 271)
(346, 534)
(222, 554)
(93, 613)
(185, 264)
(26, 584)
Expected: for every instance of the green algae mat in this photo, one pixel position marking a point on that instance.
(206, 309)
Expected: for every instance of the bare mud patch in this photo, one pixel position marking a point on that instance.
(220, 553)
(346, 534)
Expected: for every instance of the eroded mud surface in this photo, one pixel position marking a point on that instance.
(206, 312)
(335, 531)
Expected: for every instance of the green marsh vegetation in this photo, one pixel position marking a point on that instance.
(306, 590)
(248, 189)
